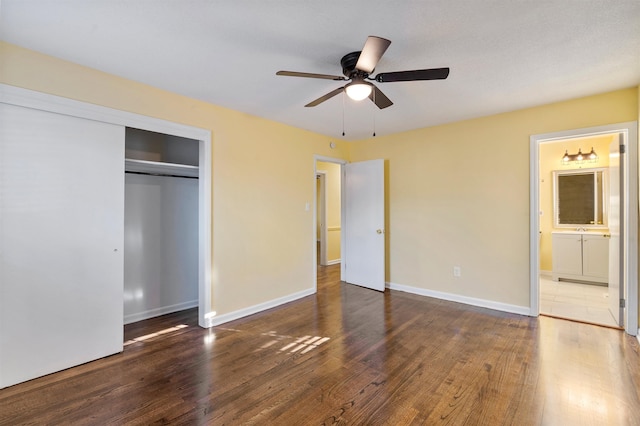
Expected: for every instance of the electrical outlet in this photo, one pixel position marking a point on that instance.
(457, 272)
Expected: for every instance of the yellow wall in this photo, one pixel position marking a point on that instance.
(333, 208)
(262, 235)
(550, 160)
(458, 195)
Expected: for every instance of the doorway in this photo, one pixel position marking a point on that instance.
(160, 224)
(571, 290)
(328, 215)
(362, 217)
(574, 206)
(328, 211)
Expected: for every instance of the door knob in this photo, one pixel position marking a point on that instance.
(379, 231)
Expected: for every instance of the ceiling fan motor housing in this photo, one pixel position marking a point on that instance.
(348, 63)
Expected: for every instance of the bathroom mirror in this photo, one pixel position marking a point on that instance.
(580, 198)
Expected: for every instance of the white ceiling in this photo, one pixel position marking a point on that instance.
(503, 54)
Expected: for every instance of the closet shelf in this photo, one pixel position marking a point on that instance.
(160, 168)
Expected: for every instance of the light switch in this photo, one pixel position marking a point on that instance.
(307, 206)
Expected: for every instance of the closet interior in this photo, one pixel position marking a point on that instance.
(160, 224)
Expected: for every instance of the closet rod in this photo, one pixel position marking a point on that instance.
(161, 174)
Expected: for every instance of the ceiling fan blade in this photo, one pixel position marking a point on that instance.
(310, 75)
(321, 99)
(371, 53)
(379, 98)
(428, 74)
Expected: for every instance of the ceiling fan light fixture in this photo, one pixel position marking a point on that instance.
(358, 90)
(357, 67)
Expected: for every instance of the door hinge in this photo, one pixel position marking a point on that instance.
(622, 303)
(623, 149)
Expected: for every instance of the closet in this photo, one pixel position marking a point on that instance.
(75, 261)
(160, 224)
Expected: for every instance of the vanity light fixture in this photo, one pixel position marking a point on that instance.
(579, 158)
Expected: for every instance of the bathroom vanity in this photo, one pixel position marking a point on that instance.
(581, 256)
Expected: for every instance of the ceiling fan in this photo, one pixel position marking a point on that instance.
(357, 66)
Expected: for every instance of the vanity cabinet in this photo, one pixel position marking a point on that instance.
(580, 256)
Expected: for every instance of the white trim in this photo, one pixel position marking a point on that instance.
(333, 262)
(151, 313)
(56, 104)
(630, 130)
(325, 159)
(46, 102)
(251, 310)
(534, 229)
(483, 303)
(205, 308)
(638, 335)
(545, 273)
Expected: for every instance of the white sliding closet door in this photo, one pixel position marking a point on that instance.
(61, 240)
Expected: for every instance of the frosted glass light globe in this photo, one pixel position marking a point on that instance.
(358, 90)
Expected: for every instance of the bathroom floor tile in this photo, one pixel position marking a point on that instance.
(582, 302)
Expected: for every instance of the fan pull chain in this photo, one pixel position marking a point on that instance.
(343, 113)
(374, 113)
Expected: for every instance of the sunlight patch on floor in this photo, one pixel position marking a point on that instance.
(301, 345)
(156, 334)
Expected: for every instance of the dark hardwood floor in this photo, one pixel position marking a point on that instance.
(348, 356)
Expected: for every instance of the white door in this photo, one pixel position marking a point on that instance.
(364, 257)
(615, 229)
(61, 239)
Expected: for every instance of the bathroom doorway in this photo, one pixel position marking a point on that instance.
(574, 216)
(571, 269)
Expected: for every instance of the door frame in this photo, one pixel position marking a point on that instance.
(629, 130)
(42, 101)
(341, 162)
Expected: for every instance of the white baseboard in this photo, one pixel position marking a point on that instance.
(333, 262)
(241, 313)
(638, 335)
(156, 312)
(498, 306)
